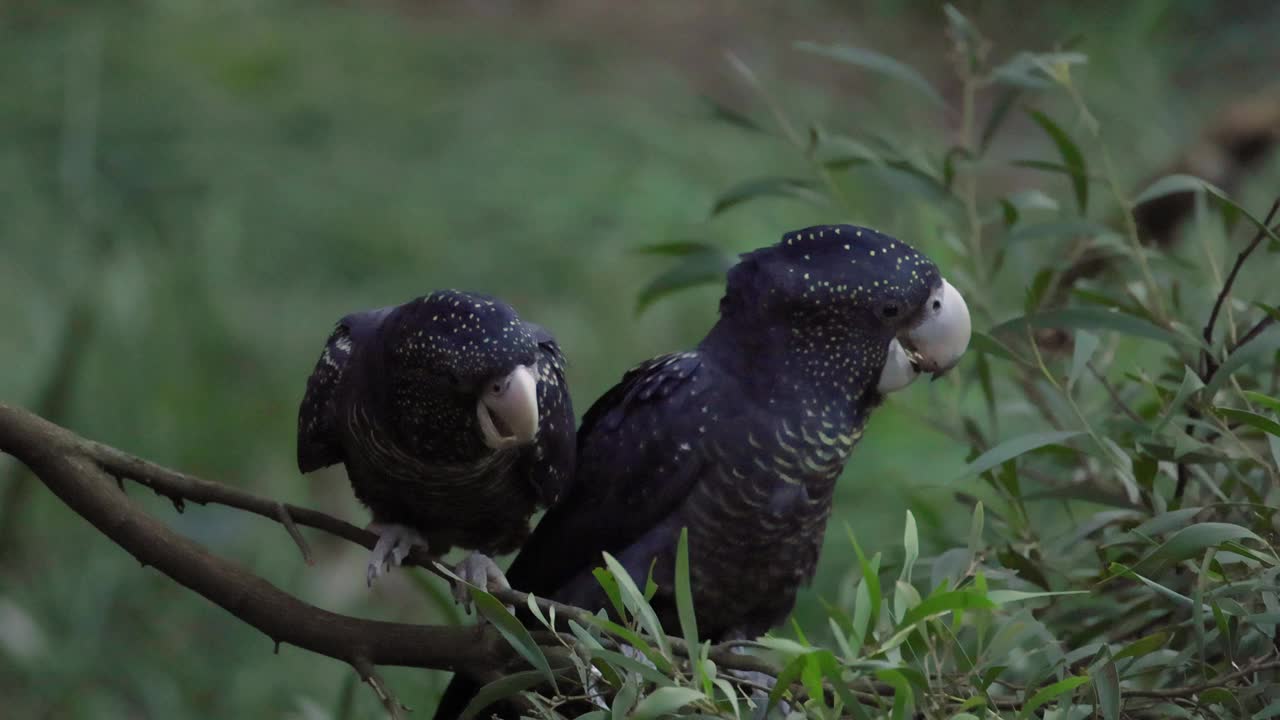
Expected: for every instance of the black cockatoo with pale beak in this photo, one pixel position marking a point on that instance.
(453, 419)
(742, 438)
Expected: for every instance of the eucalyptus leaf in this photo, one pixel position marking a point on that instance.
(876, 62)
(1011, 449)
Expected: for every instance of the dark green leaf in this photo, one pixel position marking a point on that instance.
(727, 114)
(1071, 157)
(1049, 694)
(1085, 345)
(511, 629)
(1190, 542)
(876, 62)
(776, 187)
(1013, 448)
(999, 111)
(706, 268)
(610, 586)
(1106, 683)
(677, 248)
(945, 602)
(903, 698)
(1266, 401)
(1035, 293)
(1025, 569)
(501, 689)
(1252, 419)
(986, 344)
(1143, 646)
(637, 605)
(1091, 319)
(665, 701)
(1177, 184)
(1055, 230)
(684, 598)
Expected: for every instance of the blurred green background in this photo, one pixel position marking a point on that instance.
(192, 193)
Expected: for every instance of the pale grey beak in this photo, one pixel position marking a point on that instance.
(899, 370)
(938, 341)
(508, 409)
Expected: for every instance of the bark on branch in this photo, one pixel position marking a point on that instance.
(80, 473)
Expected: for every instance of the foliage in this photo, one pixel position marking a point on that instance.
(1119, 505)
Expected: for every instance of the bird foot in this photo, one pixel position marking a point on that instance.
(394, 544)
(480, 570)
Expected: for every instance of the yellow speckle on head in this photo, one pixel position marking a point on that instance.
(806, 276)
(837, 231)
(846, 246)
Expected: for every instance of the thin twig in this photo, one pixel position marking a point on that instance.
(282, 514)
(1253, 333)
(1208, 364)
(369, 674)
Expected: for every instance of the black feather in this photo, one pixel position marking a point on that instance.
(393, 397)
(741, 441)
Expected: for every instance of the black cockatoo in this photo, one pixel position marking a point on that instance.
(453, 419)
(742, 439)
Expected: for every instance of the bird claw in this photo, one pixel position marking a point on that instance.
(395, 542)
(480, 570)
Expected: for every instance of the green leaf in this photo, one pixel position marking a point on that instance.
(1189, 542)
(703, 268)
(984, 343)
(610, 587)
(724, 113)
(776, 187)
(684, 600)
(945, 602)
(1035, 292)
(1003, 597)
(501, 689)
(1252, 419)
(902, 695)
(639, 607)
(630, 637)
(911, 547)
(876, 62)
(625, 699)
(1011, 449)
(1071, 157)
(1267, 401)
(1143, 646)
(731, 694)
(790, 673)
(664, 701)
(999, 111)
(1176, 184)
(1106, 683)
(511, 630)
(1086, 344)
(1191, 384)
(644, 670)
(1055, 230)
(1048, 694)
(677, 248)
(975, 531)
(1023, 566)
(871, 582)
(1090, 318)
